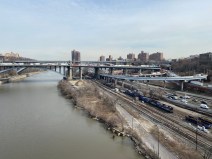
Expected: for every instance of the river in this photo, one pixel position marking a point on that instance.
(36, 122)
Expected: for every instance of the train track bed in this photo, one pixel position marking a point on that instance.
(191, 105)
(170, 121)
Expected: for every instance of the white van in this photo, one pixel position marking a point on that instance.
(204, 106)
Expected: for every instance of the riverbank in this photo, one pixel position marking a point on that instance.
(119, 116)
(101, 106)
(19, 77)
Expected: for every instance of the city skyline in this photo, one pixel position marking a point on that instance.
(52, 29)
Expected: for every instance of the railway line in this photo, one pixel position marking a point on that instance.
(170, 121)
(193, 107)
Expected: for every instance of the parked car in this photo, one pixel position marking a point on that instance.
(175, 97)
(184, 101)
(187, 97)
(204, 106)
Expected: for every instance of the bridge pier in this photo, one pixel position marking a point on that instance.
(60, 69)
(111, 71)
(139, 71)
(97, 72)
(64, 71)
(124, 71)
(80, 73)
(122, 84)
(181, 85)
(115, 82)
(55, 68)
(69, 73)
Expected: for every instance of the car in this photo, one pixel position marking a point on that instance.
(204, 106)
(175, 97)
(187, 97)
(184, 101)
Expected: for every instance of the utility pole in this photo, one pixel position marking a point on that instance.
(196, 133)
(158, 140)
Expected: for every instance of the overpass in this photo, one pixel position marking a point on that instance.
(181, 79)
(68, 67)
(79, 62)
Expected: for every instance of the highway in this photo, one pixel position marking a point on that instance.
(129, 78)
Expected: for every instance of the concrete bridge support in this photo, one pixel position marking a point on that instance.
(122, 84)
(64, 71)
(55, 68)
(181, 85)
(115, 82)
(60, 69)
(124, 71)
(80, 73)
(111, 71)
(69, 73)
(97, 72)
(139, 71)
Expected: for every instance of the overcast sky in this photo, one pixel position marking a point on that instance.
(50, 29)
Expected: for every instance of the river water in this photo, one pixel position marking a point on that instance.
(36, 122)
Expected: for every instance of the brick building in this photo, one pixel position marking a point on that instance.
(158, 56)
(102, 58)
(205, 58)
(75, 56)
(143, 56)
(131, 56)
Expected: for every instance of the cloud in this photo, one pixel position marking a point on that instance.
(96, 27)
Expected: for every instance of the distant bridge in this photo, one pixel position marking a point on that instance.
(181, 79)
(67, 67)
(79, 62)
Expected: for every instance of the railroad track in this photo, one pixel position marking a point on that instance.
(165, 120)
(162, 91)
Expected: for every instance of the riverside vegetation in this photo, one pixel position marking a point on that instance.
(101, 106)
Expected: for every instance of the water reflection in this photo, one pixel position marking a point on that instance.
(37, 122)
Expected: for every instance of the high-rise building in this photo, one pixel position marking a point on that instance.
(205, 58)
(131, 56)
(102, 58)
(1, 58)
(158, 56)
(75, 56)
(110, 58)
(143, 56)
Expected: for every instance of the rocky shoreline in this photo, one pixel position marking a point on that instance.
(101, 107)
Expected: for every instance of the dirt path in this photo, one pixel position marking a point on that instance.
(143, 128)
